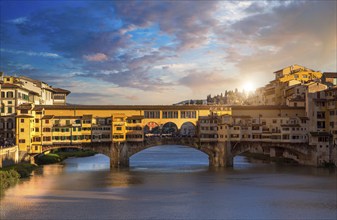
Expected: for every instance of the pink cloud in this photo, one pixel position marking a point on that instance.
(98, 57)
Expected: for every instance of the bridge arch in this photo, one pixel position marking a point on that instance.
(169, 129)
(152, 128)
(206, 151)
(188, 129)
(296, 153)
(102, 148)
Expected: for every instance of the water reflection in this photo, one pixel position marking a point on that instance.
(169, 158)
(172, 183)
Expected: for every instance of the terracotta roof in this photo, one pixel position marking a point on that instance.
(67, 117)
(24, 116)
(128, 107)
(136, 117)
(9, 85)
(297, 99)
(48, 117)
(265, 107)
(63, 91)
(87, 116)
(27, 106)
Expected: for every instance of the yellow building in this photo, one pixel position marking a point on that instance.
(55, 125)
(15, 91)
(297, 72)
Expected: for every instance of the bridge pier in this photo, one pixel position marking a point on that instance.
(119, 155)
(221, 156)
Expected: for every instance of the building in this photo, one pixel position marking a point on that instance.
(288, 87)
(322, 110)
(330, 78)
(17, 91)
(55, 125)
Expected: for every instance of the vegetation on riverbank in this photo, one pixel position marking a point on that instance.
(10, 175)
(59, 155)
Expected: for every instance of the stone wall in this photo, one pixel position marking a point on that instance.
(9, 156)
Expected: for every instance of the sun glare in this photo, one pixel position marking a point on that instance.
(249, 87)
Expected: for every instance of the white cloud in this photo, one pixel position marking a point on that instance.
(19, 20)
(31, 53)
(98, 57)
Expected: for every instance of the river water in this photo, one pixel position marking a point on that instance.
(172, 182)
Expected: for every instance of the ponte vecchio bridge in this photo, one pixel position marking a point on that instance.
(122, 131)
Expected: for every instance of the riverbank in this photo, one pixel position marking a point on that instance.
(10, 175)
(59, 155)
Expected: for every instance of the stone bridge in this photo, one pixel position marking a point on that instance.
(302, 153)
(220, 154)
(120, 152)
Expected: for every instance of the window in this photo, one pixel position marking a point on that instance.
(10, 95)
(10, 110)
(188, 114)
(10, 124)
(46, 130)
(22, 130)
(321, 124)
(152, 114)
(37, 129)
(59, 97)
(10, 102)
(22, 120)
(3, 95)
(320, 115)
(36, 139)
(67, 122)
(323, 139)
(22, 141)
(37, 120)
(47, 121)
(24, 111)
(331, 125)
(170, 114)
(118, 128)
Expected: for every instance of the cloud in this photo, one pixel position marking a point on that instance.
(163, 47)
(98, 57)
(19, 20)
(188, 22)
(297, 32)
(31, 53)
(203, 81)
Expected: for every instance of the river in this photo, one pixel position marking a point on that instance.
(172, 182)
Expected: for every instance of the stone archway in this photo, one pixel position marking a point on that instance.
(188, 129)
(170, 129)
(152, 129)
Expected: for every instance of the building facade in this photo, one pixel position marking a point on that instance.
(17, 91)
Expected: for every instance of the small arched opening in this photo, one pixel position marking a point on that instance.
(170, 129)
(188, 129)
(152, 129)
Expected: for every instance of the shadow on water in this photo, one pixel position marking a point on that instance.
(169, 159)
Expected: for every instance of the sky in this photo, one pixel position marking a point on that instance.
(163, 52)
